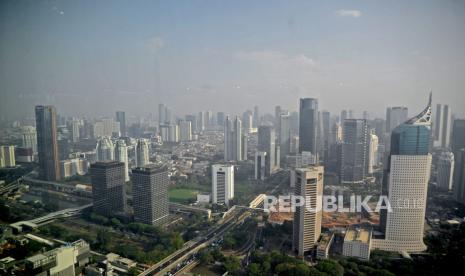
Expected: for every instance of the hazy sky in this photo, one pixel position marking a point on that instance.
(94, 57)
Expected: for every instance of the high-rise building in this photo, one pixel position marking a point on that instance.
(445, 169)
(354, 151)
(372, 158)
(220, 118)
(325, 133)
(121, 119)
(108, 192)
(307, 218)
(277, 114)
(193, 120)
(406, 182)
(142, 153)
(75, 130)
(458, 135)
(29, 138)
(121, 155)
(47, 144)
(169, 133)
(185, 130)
(7, 156)
(105, 149)
(308, 125)
(459, 176)
(284, 135)
(222, 183)
(106, 127)
(233, 139)
(260, 165)
(244, 144)
(201, 124)
(247, 122)
(161, 114)
(395, 116)
(266, 143)
(256, 117)
(442, 126)
(150, 194)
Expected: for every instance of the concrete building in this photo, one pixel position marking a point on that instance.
(395, 116)
(372, 161)
(150, 194)
(59, 261)
(108, 192)
(121, 119)
(29, 138)
(405, 182)
(222, 183)
(7, 156)
(357, 243)
(169, 133)
(106, 127)
(459, 176)
(307, 218)
(105, 149)
(256, 117)
(47, 144)
(260, 165)
(442, 126)
(354, 151)
(266, 143)
(75, 166)
(185, 131)
(121, 155)
(445, 169)
(284, 135)
(324, 244)
(75, 130)
(142, 153)
(233, 139)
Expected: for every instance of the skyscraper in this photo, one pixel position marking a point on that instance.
(277, 114)
(307, 218)
(266, 143)
(260, 165)
(150, 190)
(308, 125)
(372, 158)
(406, 182)
(105, 149)
(458, 135)
(459, 176)
(232, 139)
(193, 120)
(142, 153)
(121, 119)
(185, 130)
(256, 117)
(284, 134)
(47, 145)
(220, 118)
(222, 183)
(75, 126)
(29, 138)
(354, 151)
(108, 192)
(247, 122)
(445, 167)
(395, 116)
(161, 114)
(442, 126)
(121, 155)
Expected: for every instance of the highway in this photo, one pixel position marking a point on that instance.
(189, 249)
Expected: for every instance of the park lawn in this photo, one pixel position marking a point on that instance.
(182, 194)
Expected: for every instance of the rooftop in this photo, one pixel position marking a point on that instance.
(361, 235)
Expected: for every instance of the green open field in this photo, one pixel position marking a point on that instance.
(182, 194)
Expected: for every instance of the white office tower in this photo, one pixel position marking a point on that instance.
(29, 138)
(7, 156)
(185, 130)
(121, 155)
(307, 218)
(142, 153)
(75, 124)
(105, 149)
(445, 167)
(407, 176)
(372, 152)
(260, 165)
(232, 139)
(222, 183)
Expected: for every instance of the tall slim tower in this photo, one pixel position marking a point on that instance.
(256, 117)
(395, 116)
(108, 192)
(47, 145)
(308, 125)
(307, 218)
(142, 153)
(150, 190)
(222, 183)
(266, 143)
(354, 151)
(121, 119)
(284, 134)
(233, 139)
(406, 182)
(445, 168)
(121, 155)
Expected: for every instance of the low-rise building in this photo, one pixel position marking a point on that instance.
(323, 246)
(357, 243)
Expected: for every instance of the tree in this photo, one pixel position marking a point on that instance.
(330, 267)
(232, 264)
(254, 270)
(206, 258)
